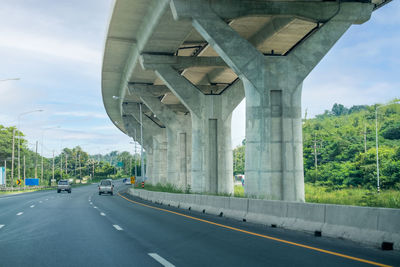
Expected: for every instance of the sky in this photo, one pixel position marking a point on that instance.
(56, 49)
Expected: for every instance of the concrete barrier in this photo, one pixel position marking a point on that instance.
(366, 225)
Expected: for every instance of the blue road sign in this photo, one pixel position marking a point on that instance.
(31, 181)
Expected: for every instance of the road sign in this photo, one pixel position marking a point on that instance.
(133, 180)
(120, 164)
(31, 181)
(2, 176)
(18, 182)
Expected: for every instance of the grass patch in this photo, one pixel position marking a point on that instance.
(352, 196)
(169, 188)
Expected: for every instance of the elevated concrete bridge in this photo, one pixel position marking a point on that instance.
(189, 63)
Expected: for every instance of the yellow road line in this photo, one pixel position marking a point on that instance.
(260, 235)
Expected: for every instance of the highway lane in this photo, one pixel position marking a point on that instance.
(85, 229)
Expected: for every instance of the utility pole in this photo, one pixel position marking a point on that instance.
(143, 172)
(365, 138)
(66, 163)
(80, 169)
(76, 160)
(135, 157)
(12, 160)
(41, 175)
(5, 172)
(24, 169)
(61, 170)
(24, 173)
(53, 165)
(36, 160)
(316, 153)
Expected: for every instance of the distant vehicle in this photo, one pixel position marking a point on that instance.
(64, 185)
(127, 181)
(106, 187)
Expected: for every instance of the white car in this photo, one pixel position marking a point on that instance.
(106, 187)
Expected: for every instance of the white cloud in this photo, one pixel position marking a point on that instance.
(56, 48)
(90, 114)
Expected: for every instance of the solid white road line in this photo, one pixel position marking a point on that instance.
(32, 206)
(1, 226)
(102, 214)
(161, 260)
(19, 213)
(118, 227)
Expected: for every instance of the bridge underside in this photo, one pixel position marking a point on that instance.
(189, 63)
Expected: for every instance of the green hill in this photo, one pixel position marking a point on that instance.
(344, 141)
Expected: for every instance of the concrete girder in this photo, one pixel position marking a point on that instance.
(148, 60)
(159, 142)
(274, 160)
(211, 168)
(316, 11)
(150, 90)
(178, 136)
(265, 33)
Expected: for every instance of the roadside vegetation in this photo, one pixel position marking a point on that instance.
(340, 157)
(72, 163)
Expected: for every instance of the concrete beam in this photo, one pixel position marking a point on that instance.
(317, 11)
(150, 90)
(149, 61)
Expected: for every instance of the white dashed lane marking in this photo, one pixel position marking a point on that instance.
(1, 226)
(161, 260)
(19, 213)
(40, 201)
(118, 227)
(32, 206)
(95, 207)
(102, 214)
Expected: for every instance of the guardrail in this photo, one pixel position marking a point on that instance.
(12, 189)
(378, 227)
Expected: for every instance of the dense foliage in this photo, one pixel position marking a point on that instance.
(71, 163)
(344, 143)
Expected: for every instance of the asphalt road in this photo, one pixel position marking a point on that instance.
(85, 229)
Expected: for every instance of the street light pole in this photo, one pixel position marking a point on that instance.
(19, 137)
(143, 172)
(12, 160)
(376, 139)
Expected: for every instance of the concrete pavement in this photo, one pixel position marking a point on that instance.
(85, 229)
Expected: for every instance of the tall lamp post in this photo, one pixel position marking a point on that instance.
(19, 138)
(376, 139)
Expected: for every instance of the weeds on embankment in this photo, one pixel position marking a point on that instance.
(352, 196)
(317, 194)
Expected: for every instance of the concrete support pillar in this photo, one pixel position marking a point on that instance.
(178, 135)
(274, 160)
(132, 125)
(211, 168)
(159, 143)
